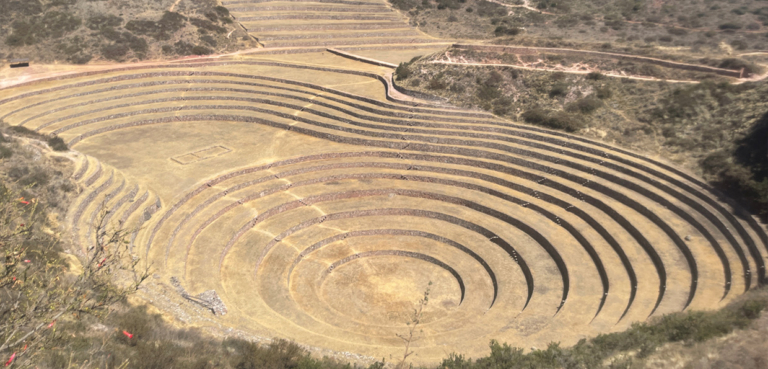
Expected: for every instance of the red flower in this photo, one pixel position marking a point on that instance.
(13, 356)
(129, 335)
(52, 323)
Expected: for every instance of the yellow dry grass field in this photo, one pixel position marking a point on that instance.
(319, 203)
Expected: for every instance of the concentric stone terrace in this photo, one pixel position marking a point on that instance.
(304, 23)
(319, 206)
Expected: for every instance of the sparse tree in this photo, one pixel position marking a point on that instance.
(37, 287)
(413, 323)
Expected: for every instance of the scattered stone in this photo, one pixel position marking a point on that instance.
(208, 299)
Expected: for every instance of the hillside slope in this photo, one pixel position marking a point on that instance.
(81, 31)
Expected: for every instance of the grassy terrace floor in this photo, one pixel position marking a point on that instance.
(319, 208)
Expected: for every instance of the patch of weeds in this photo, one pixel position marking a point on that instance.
(556, 120)
(163, 29)
(437, 82)
(53, 24)
(604, 93)
(594, 76)
(207, 25)
(559, 89)
(100, 21)
(403, 70)
(506, 31)
(586, 105)
(115, 51)
(738, 64)
(57, 144)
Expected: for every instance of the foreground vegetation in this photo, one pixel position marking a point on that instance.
(155, 344)
(626, 349)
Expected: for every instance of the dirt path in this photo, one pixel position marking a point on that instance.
(699, 29)
(564, 70)
(174, 5)
(526, 5)
(571, 71)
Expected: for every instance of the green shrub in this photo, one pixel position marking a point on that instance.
(556, 120)
(402, 72)
(615, 24)
(502, 105)
(56, 24)
(185, 48)
(762, 14)
(559, 89)
(53, 24)
(209, 40)
(677, 31)
(206, 25)
(557, 76)
(738, 64)
(739, 44)
(24, 131)
(586, 105)
(22, 34)
(567, 21)
(458, 88)
(221, 11)
(448, 4)
(404, 4)
(536, 116)
(594, 76)
(564, 121)
(604, 93)
(201, 50)
(114, 51)
(5, 152)
(752, 309)
(715, 162)
(488, 9)
(437, 83)
(35, 177)
(488, 92)
(488, 88)
(161, 30)
(506, 31)
(212, 16)
(100, 21)
(729, 26)
(57, 144)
